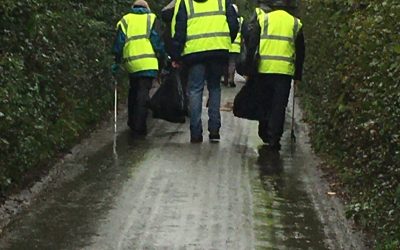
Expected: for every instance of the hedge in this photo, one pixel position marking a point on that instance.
(351, 93)
(56, 84)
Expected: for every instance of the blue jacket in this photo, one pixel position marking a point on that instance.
(155, 40)
(179, 39)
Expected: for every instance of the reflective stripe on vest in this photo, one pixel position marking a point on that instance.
(235, 47)
(138, 53)
(207, 26)
(279, 30)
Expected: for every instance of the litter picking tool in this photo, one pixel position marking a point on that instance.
(292, 135)
(115, 104)
(115, 117)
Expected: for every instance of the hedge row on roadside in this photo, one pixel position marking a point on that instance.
(55, 84)
(351, 93)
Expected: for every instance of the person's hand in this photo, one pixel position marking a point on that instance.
(297, 82)
(114, 68)
(176, 65)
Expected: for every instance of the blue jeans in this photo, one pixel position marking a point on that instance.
(198, 74)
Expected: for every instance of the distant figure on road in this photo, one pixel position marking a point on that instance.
(202, 32)
(278, 37)
(135, 46)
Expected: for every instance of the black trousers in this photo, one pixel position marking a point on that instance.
(273, 90)
(138, 98)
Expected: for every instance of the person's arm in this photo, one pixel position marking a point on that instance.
(232, 19)
(179, 39)
(119, 43)
(300, 55)
(167, 12)
(155, 39)
(251, 35)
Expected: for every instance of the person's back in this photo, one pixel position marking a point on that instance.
(138, 53)
(202, 29)
(279, 30)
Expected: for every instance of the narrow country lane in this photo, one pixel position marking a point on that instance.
(165, 193)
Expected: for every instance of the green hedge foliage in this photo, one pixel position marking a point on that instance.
(351, 93)
(55, 59)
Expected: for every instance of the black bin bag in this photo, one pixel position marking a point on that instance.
(247, 64)
(167, 103)
(247, 102)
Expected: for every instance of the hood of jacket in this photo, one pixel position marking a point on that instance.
(139, 10)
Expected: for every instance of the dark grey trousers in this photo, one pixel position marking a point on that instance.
(274, 90)
(138, 98)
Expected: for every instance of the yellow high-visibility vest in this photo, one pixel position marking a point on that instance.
(277, 49)
(207, 26)
(235, 47)
(138, 53)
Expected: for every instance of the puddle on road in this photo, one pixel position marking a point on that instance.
(76, 206)
(284, 216)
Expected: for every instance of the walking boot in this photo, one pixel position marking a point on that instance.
(214, 137)
(196, 139)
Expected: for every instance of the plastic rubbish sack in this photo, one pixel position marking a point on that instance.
(168, 102)
(247, 65)
(247, 103)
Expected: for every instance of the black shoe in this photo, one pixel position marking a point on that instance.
(232, 84)
(269, 161)
(196, 139)
(130, 125)
(214, 137)
(138, 132)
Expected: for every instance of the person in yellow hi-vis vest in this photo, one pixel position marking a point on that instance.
(202, 33)
(136, 47)
(277, 35)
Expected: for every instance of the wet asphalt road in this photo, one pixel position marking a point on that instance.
(165, 193)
